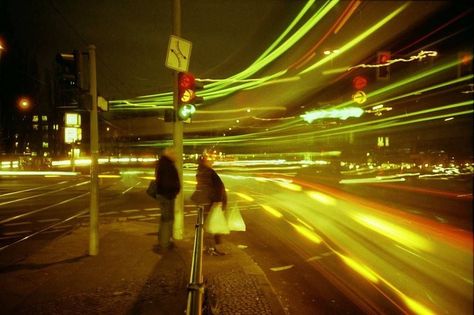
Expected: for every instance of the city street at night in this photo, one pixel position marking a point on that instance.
(341, 131)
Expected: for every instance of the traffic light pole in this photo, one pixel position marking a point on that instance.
(178, 225)
(94, 148)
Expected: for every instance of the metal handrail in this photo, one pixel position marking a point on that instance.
(196, 282)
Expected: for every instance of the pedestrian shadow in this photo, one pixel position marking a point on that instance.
(32, 266)
(165, 290)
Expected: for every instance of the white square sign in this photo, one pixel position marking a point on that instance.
(179, 54)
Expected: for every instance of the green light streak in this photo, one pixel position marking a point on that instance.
(357, 40)
(342, 113)
(407, 81)
(287, 30)
(434, 87)
(269, 57)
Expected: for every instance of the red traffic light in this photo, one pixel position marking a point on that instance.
(186, 80)
(359, 82)
(186, 87)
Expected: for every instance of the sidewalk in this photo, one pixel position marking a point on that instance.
(128, 277)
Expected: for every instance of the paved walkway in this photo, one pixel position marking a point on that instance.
(129, 277)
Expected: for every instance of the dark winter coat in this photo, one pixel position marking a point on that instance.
(209, 188)
(167, 179)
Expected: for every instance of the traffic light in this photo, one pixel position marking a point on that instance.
(68, 79)
(383, 72)
(187, 98)
(70, 68)
(465, 63)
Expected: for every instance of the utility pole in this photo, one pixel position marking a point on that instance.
(94, 148)
(178, 225)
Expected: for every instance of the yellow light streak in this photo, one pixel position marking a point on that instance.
(244, 196)
(272, 211)
(108, 176)
(394, 232)
(363, 270)
(307, 233)
(322, 198)
(290, 186)
(305, 224)
(417, 307)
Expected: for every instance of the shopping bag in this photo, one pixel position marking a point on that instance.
(235, 222)
(151, 190)
(216, 222)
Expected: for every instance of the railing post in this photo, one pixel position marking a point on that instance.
(196, 282)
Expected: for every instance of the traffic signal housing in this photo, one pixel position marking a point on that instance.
(464, 63)
(187, 98)
(383, 71)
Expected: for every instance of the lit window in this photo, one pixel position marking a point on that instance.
(35, 118)
(45, 145)
(44, 118)
(35, 127)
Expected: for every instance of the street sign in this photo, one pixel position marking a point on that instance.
(179, 54)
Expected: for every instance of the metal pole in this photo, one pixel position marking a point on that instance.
(73, 164)
(196, 282)
(94, 147)
(178, 225)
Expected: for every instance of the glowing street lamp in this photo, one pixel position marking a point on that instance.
(24, 103)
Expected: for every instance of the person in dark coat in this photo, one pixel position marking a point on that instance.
(209, 190)
(167, 187)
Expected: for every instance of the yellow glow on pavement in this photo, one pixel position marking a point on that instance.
(303, 230)
(44, 173)
(272, 211)
(322, 198)
(244, 196)
(417, 307)
(359, 268)
(192, 182)
(108, 176)
(305, 224)
(394, 232)
(290, 186)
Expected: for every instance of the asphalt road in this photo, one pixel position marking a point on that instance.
(325, 249)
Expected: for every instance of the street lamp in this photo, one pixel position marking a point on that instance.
(24, 103)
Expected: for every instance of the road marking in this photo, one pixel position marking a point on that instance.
(109, 212)
(190, 215)
(154, 215)
(39, 195)
(151, 209)
(41, 209)
(282, 268)
(17, 232)
(130, 211)
(126, 190)
(8, 237)
(314, 258)
(146, 219)
(16, 224)
(137, 217)
(31, 189)
(48, 220)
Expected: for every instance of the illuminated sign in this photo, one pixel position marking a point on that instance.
(72, 134)
(72, 119)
